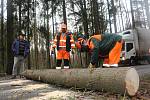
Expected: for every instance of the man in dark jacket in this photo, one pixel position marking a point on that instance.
(20, 48)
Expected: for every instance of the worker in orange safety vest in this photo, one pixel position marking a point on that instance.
(103, 46)
(108, 45)
(63, 42)
(81, 43)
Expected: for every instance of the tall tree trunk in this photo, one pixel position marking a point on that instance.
(28, 31)
(54, 30)
(114, 15)
(20, 4)
(53, 18)
(9, 55)
(132, 15)
(56, 25)
(47, 40)
(95, 16)
(73, 9)
(85, 19)
(1, 37)
(147, 12)
(35, 38)
(44, 19)
(108, 7)
(91, 17)
(121, 16)
(64, 12)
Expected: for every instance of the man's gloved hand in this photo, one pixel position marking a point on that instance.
(91, 67)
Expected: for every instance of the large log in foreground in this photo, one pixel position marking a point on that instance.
(114, 80)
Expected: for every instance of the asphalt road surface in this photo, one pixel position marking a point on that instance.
(142, 69)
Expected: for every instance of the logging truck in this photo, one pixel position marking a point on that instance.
(136, 46)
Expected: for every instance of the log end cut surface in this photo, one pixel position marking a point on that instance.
(132, 81)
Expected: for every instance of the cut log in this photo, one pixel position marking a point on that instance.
(114, 80)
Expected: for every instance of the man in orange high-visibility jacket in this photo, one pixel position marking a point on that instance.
(108, 45)
(81, 43)
(63, 42)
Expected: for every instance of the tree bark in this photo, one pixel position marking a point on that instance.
(108, 7)
(9, 36)
(47, 38)
(84, 17)
(95, 14)
(113, 80)
(53, 18)
(20, 5)
(114, 15)
(64, 12)
(28, 31)
(35, 37)
(1, 37)
(132, 14)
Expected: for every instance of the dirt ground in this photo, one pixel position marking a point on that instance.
(144, 91)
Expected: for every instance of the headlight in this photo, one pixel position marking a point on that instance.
(123, 58)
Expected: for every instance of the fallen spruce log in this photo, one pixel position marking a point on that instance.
(114, 80)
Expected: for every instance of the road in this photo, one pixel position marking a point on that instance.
(22, 89)
(142, 69)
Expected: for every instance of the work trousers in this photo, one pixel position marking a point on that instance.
(59, 62)
(63, 55)
(114, 55)
(18, 66)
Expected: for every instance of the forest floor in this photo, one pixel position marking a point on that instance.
(23, 89)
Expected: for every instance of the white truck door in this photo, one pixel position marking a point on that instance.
(129, 50)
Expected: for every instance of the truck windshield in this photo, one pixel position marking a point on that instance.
(128, 32)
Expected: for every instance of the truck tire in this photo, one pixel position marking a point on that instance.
(148, 59)
(132, 61)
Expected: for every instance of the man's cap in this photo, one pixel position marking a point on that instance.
(21, 33)
(80, 35)
(63, 26)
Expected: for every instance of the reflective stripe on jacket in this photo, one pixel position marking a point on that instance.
(64, 41)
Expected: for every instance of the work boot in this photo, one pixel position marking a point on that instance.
(58, 67)
(106, 66)
(14, 77)
(114, 65)
(66, 67)
(21, 76)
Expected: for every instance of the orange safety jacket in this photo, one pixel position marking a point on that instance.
(64, 42)
(104, 45)
(80, 42)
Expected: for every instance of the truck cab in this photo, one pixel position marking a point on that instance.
(128, 48)
(136, 46)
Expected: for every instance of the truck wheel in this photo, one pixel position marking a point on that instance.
(148, 59)
(132, 62)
